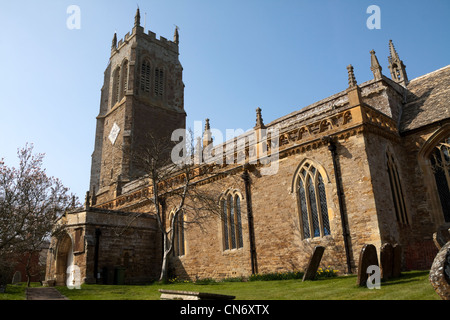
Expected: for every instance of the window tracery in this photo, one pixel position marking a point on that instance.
(312, 202)
(230, 204)
(440, 165)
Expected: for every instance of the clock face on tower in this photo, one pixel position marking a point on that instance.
(114, 133)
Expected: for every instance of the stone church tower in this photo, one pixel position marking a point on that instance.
(142, 96)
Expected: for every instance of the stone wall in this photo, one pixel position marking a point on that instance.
(124, 240)
(422, 197)
(278, 240)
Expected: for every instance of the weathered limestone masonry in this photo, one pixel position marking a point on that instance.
(366, 166)
(143, 82)
(101, 242)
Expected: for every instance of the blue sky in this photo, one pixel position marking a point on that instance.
(280, 56)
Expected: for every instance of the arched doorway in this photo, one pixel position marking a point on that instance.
(64, 259)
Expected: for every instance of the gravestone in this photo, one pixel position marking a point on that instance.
(314, 263)
(189, 295)
(440, 272)
(367, 258)
(397, 261)
(17, 277)
(386, 261)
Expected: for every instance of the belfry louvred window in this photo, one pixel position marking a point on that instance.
(312, 202)
(116, 86)
(145, 76)
(124, 80)
(231, 221)
(159, 82)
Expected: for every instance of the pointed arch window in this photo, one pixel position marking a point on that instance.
(396, 189)
(178, 235)
(231, 221)
(124, 80)
(145, 76)
(159, 82)
(312, 202)
(116, 86)
(440, 165)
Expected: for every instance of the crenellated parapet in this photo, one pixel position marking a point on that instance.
(139, 33)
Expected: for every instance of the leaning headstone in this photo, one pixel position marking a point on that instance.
(17, 277)
(440, 272)
(386, 261)
(189, 295)
(367, 258)
(397, 261)
(314, 263)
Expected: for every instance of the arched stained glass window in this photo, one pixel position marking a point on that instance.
(440, 164)
(178, 238)
(312, 202)
(303, 209)
(226, 243)
(239, 222)
(231, 221)
(323, 205)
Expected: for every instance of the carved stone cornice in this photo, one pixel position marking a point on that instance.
(302, 138)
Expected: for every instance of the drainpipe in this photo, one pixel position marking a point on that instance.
(246, 177)
(162, 203)
(337, 172)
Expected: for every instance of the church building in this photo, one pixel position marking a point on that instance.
(367, 165)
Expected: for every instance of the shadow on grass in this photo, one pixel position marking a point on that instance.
(411, 285)
(405, 278)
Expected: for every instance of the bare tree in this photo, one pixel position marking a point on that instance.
(174, 185)
(30, 204)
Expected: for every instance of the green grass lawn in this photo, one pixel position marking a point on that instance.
(413, 285)
(17, 291)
